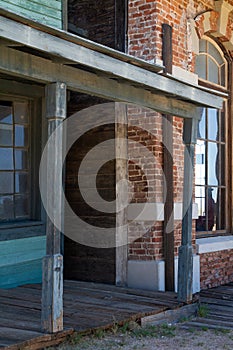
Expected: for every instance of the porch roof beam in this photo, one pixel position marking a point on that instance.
(40, 70)
(66, 49)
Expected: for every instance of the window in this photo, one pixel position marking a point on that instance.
(210, 175)
(14, 161)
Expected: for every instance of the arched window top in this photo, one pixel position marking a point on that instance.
(211, 64)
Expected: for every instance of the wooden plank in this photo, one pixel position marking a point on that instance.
(108, 289)
(51, 20)
(170, 316)
(44, 71)
(42, 341)
(84, 42)
(121, 156)
(121, 13)
(15, 88)
(58, 47)
(169, 249)
(34, 8)
(52, 283)
(185, 263)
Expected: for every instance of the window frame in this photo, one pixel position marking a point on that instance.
(35, 225)
(226, 142)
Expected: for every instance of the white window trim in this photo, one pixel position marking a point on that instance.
(214, 244)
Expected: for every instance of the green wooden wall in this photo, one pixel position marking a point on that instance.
(47, 12)
(21, 261)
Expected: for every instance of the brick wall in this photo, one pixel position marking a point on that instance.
(145, 19)
(216, 268)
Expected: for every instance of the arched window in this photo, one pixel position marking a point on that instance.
(210, 175)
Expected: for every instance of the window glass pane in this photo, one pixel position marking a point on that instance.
(21, 159)
(200, 163)
(215, 53)
(223, 75)
(6, 182)
(213, 71)
(202, 45)
(213, 166)
(6, 208)
(201, 202)
(213, 124)
(21, 206)
(21, 112)
(6, 135)
(6, 159)
(223, 175)
(200, 67)
(202, 125)
(21, 136)
(211, 209)
(6, 114)
(222, 121)
(21, 182)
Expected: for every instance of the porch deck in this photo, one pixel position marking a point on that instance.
(86, 306)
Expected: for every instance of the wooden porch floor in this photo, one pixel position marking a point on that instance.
(86, 306)
(219, 309)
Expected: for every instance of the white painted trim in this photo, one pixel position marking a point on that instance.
(196, 274)
(214, 244)
(185, 75)
(150, 275)
(155, 211)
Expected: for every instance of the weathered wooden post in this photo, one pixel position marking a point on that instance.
(185, 264)
(121, 193)
(52, 284)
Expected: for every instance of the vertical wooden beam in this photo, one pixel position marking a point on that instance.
(185, 264)
(121, 193)
(121, 8)
(52, 283)
(168, 170)
(65, 15)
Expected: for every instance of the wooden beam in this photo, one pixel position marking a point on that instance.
(52, 284)
(12, 87)
(185, 262)
(168, 170)
(121, 193)
(41, 70)
(121, 8)
(51, 44)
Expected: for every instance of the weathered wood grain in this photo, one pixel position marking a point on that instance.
(86, 306)
(121, 193)
(44, 71)
(185, 263)
(52, 278)
(46, 12)
(103, 63)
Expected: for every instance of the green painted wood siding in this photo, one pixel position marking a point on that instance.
(48, 12)
(21, 261)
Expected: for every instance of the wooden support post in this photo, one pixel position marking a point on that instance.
(185, 264)
(121, 193)
(52, 284)
(168, 170)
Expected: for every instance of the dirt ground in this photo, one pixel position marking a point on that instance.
(162, 337)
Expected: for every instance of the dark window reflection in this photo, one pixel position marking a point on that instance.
(6, 182)
(6, 208)
(6, 135)
(6, 159)
(21, 136)
(14, 161)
